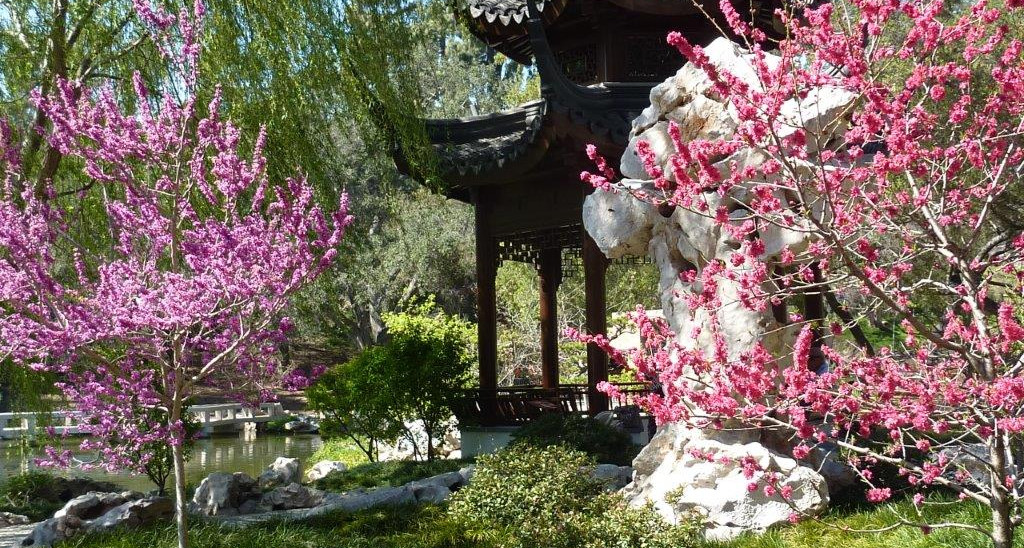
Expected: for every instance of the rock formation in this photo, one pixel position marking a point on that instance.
(95, 512)
(666, 472)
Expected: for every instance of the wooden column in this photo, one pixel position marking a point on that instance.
(550, 278)
(486, 298)
(594, 266)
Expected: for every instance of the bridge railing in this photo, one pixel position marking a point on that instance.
(16, 425)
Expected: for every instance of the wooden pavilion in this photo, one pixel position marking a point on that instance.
(597, 61)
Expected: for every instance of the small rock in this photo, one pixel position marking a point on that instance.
(467, 473)
(8, 519)
(325, 468)
(282, 471)
(613, 476)
(222, 493)
(290, 497)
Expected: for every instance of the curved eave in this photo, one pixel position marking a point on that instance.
(501, 24)
(491, 149)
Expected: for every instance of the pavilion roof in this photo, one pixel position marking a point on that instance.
(480, 144)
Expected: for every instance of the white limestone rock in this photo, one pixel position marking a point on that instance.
(282, 471)
(619, 223)
(222, 493)
(93, 512)
(325, 468)
(677, 483)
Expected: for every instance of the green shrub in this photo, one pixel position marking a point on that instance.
(387, 474)
(604, 443)
(612, 523)
(357, 401)
(276, 425)
(544, 497)
(535, 494)
(415, 376)
(32, 494)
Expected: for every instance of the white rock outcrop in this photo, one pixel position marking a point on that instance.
(282, 471)
(685, 471)
(95, 512)
(221, 494)
(677, 240)
(324, 468)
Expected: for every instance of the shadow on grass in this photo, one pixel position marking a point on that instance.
(397, 527)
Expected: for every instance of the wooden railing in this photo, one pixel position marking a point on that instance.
(515, 405)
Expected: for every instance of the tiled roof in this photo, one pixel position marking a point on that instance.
(505, 11)
(470, 146)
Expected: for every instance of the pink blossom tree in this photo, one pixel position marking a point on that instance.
(900, 202)
(190, 294)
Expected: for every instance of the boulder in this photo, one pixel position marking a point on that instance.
(354, 501)
(99, 512)
(619, 223)
(967, 463)
(134, 513)
(324, 468)
(428, 492)
(222, 493)
(613, 476)
(8, 519)
(684, 471)
(290, 497)
(282, 471)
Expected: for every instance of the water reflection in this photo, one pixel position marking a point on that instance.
(243, 453)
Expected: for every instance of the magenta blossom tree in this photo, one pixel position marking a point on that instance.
(901, 202)
(205, 253)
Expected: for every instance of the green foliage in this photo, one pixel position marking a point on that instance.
(387, 474)
(612, 523)
(416, 375)
(356, 401)
(430, 355)
(544, 497)
(403, 246)
(530, 492)
(32, 494)
(601, 442)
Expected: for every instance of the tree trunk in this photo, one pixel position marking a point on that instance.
(1002, 527)
(430, 442)
(180, 513)
(178, 456)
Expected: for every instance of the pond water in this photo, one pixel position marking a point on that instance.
(217, 454)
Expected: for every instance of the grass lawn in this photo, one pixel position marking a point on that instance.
(430, 527)
(401, 527)
(339, 449)
(827, 533)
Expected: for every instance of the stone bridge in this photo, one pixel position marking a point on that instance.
(215, 418)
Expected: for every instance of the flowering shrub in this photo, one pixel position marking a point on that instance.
(898, 203)
(205, 254)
